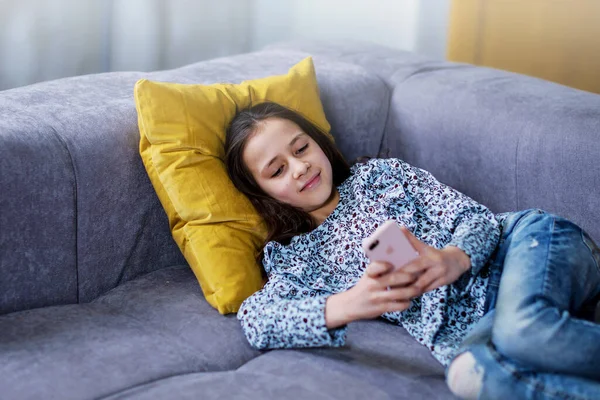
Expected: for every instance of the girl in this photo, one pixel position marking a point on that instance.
(506, 301)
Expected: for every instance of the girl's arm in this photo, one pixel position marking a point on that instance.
(473, 226)
(284, 314)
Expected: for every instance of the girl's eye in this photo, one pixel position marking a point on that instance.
(279, 170)
(301, 149)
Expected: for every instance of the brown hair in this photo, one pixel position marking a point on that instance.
(283, 221)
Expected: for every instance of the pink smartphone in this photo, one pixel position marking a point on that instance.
(389, 244)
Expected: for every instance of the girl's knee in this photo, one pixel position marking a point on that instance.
(465, 376)
(559, 225)
(536, 215)
(540, 228)
(519, 336)
(532, 222)
(511, 343)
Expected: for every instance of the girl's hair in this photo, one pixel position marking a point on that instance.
(283, 221)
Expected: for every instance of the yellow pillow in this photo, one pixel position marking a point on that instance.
(182, 134)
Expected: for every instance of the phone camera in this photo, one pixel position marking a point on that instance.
(374, 244)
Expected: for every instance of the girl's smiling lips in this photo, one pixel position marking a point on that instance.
(312, 182)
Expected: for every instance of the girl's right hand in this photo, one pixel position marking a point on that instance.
(370, 297)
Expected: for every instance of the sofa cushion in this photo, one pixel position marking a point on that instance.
(383, 61)
(311, 374)
(117, 226)
(508, 140)
(380, 361)
(38, 261)
(149, 328)
(148, 331)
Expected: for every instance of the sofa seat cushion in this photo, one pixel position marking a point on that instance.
(381, 361)
(149, 328)
(156, 335)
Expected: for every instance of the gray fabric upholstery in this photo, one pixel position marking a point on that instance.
(138, 338)
(509, 141)
(146, 329)
(98, 301)
(37, 219)
(121, 229)
(381, 60)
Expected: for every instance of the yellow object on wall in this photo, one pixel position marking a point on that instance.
(182, 136)
(555, 40)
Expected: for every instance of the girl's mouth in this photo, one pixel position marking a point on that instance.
(312, 182)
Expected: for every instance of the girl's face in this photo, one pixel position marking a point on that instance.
(289, 165)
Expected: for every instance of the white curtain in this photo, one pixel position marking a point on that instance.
(49, 39)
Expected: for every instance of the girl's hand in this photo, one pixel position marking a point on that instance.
(435, 267)
(370, 297)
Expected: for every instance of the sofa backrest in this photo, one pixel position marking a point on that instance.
(509, 141)
(78, 213)
(37, 213)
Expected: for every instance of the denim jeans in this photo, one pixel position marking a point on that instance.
(538, 339)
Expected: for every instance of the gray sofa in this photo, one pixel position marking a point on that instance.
(97, 302)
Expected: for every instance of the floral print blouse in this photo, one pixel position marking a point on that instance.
(289, 311)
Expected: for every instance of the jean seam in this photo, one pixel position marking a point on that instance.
(589, 248)
(538, 211)
(530, 382)
(545, 285)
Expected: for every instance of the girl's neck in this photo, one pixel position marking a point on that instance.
(320, 214)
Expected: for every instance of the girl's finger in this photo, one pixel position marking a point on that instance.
(397, 306)
(377, 268)
(435, 284)
(400, 294)
(416, 243)
(415, 266)
(397, 278)
(427, 278)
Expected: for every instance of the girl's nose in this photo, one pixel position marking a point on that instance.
(300, 168)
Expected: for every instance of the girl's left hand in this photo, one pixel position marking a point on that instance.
(435, 267)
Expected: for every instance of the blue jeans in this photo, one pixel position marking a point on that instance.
(538, 339)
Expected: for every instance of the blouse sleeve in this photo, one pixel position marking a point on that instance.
(473, 227)
(284, 314)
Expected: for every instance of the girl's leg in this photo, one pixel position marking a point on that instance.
(550, 273)
(493, 376)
